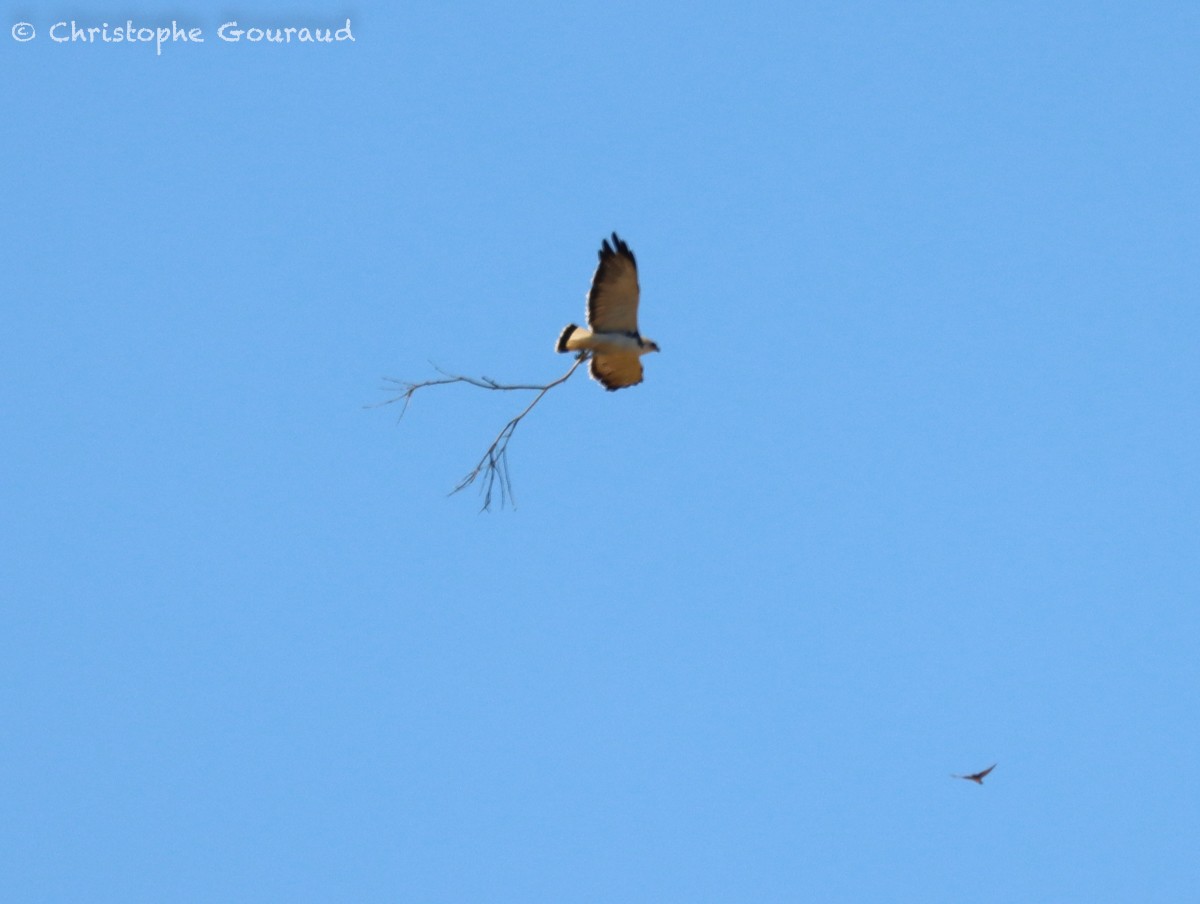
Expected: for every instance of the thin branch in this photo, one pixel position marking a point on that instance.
(493, 466)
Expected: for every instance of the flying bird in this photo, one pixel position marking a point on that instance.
(977, 777)
(612, 335)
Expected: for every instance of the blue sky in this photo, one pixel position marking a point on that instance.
(911, 488)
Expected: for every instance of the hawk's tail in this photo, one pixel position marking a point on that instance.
(565, 337)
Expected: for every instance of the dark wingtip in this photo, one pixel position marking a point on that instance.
(565, 336)
(620, 247)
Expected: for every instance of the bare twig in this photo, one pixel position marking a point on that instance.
(493, 466)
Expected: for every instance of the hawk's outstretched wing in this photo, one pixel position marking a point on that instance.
(613, 299)
(977, 777)
(616, 370)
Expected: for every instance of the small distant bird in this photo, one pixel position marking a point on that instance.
(612, 307)
(977, 777)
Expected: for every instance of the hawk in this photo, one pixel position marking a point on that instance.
(977, 777)
(612, 337)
